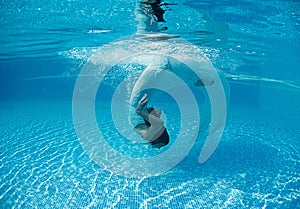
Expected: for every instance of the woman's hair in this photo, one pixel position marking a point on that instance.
(162, 140)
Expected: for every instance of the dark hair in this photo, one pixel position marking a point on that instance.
(163, 139)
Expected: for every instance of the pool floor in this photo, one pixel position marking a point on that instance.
(43, 165)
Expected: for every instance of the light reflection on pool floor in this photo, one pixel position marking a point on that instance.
(42, 165)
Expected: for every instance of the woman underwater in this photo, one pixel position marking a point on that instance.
(153, 130)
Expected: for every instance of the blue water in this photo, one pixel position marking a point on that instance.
(254, 45)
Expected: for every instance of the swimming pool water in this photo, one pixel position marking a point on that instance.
(43, 166)
(44, 47)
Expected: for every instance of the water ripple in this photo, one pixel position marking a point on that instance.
(42, 165)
